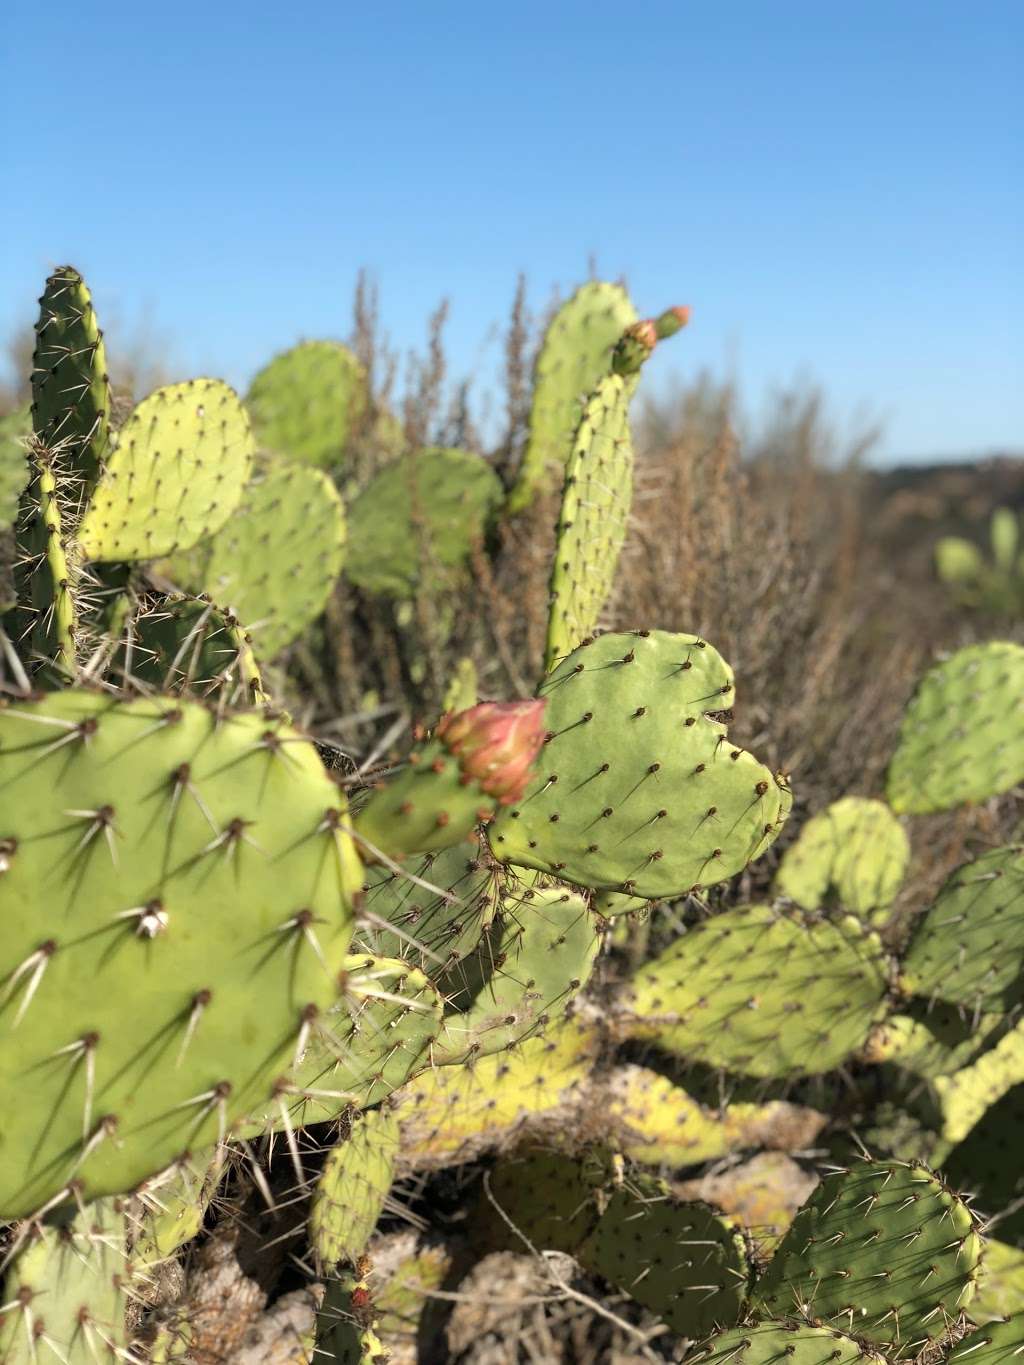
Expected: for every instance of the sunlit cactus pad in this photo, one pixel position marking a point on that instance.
(855, 851)
(175, 474)
(639, 788)
(969, 948)
(785, 1342)
(415, 524)
(353, 1185)
(305, 403)
(762, 992)
(885, 1247)
(275, 561)
(176, 900)
(962, 737)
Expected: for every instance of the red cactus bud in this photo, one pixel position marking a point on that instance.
(496, 743)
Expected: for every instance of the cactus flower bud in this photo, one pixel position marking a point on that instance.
(671, 321)
(496, 744)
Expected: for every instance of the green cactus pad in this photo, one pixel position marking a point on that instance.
(639, 789)
(174, 475)
(595, 512)
(930, 1038)
(171, 1209)
(186, 645)
(549, 1199)
(997, 1343)
(378, 1035)
(969, 947)
(966, 1096)
(856, 849)
(406, 1269)
(762, 992)
(681, 1260)
(884, 1245)
(789, 1341)
(15, 429)
(70, 390)
(452, 1114)
(353, 1185)
(176, 897)
(414, 525)
(305, 403)
(435, 920)
(575, 355)
(1001, 1283)
(962, 738)
(988, 1164)
(276, 559)
(65, 1292)
(523, 976)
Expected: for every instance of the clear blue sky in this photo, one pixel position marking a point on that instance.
(837, 190)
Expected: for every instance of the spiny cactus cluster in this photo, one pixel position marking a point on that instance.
(227, 967)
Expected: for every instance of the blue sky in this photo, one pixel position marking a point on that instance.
(837, 190)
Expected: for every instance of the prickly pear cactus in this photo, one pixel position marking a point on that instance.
(962, 737)
(353, 1185)
(594, 516)
(639, 788)
(548, 1198)
(576, 353)
(995, 585)
(174, 475)
(855, 849)
(65, 1294)
(171, 1208)
(791, 1340)
(885, 1246)
(174, 920)
(305, 403)
(414, 525)
(762, 993)
(997, 1343)
(969, 948)
(987, 1162)
(70, 389)
(276, 559)
(15, 430)
(967, 1095)
(680, 1259)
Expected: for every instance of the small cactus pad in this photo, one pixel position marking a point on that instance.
(174, 476)
(415, 524)
(967, 1095)
(884, 1245)
(530, 968)
(305, 403)
(932, 1039)
(275, 561)
(638, 788)
(962, 737)
(171, 1208)
(681, 1260)
(576, 353)
(969, 947)
(70, 390)
(762, 993)
(855, 849)
(988, 1164)
(660, 1124)
(406, 1269)
(454, 1113)
(367, 1045)
(785, 1342)
(353, 1185)
(435, 916)
(64, 1294)
(176, 896)
(997, 1343)
(595, 513)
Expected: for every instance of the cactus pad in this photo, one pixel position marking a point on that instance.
(15, 428)
(885, 1246)
(576, 353)
(762, 993)
(176, 896)
(639, 788)
(997, 1343)
(962, 737)
(415, 524)
(789, 1341)
(70, 390)
(988, 1164)
(352, 1188)
(969, 947)
(275, 561)
(305, 403)
(681, 1260)
(595, 512)
(174, 475)
(546, 1195)
(856, 849)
